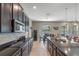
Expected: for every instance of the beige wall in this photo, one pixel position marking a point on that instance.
(29, 32)
(38, 25)
(30, 26)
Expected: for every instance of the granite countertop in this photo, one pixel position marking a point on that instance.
(18, 45)
(7, 37)
(12, 49)
(70, 48)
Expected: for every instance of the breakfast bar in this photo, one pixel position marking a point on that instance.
(60, 48)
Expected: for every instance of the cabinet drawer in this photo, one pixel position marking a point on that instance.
(60, 53)
(18, 53)
(25, 52)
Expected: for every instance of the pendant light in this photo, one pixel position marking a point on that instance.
(47, 15)
(66, 19)
(75, 21)
(66, 9)
(66, 14)
(75, 15)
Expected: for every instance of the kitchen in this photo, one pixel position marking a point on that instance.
(22, 26)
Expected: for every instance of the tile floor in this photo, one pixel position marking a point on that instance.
(39, 49)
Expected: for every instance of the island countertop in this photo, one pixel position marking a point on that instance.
(70, 48)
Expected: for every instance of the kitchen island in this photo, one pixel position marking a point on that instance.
(60, 48)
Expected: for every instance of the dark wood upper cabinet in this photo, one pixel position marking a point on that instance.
(20, 12)
(15, 11)
(0, 18)
(12, 17)
(18, 23)
(6, 16)
(24, 18)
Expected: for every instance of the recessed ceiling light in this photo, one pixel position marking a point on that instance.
(47, 14)
(34, 7)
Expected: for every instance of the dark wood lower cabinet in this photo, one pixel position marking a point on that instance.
(27, 48)
(17, 53)
(53, 49)
(25, 51)
(59, 53)
(20, 48)
(0, 18)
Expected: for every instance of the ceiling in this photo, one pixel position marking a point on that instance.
(52, 11)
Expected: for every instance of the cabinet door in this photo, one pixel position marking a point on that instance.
(0, 17)
(20, 10)
(25, 52)
(17, 53)
(60, 53)
(25, 49)
(23, 17)
(6, 16)
(15, 11)
(26, 28)
(48, 45)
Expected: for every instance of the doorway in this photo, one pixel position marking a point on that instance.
(35, 35)
(46, 29)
